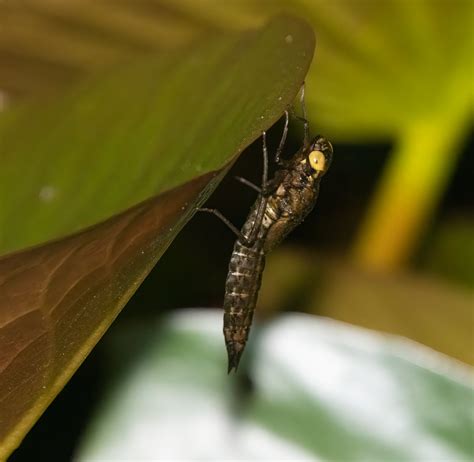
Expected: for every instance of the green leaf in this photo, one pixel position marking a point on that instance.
(138, 145)
(147, 126)
(321, 390)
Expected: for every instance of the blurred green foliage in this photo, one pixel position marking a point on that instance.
(397, 72)
(451, 251)
(327, 392)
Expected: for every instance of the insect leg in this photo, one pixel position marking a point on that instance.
(224, 220)
(304, 118)
(256, 226)
(282, 141)
(265, 161)
(250, 239)
(248, 183)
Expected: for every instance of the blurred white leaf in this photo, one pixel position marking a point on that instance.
(321, 390)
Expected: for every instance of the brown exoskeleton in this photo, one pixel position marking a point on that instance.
(282, 203)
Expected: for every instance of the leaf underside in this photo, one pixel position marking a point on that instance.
(139, 146)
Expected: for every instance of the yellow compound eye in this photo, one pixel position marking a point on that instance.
(317, 161)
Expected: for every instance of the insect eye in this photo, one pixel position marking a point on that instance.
(317, 161)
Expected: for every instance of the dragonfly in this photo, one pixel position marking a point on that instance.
(283, 202)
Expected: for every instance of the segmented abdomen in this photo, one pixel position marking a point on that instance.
(241, 292)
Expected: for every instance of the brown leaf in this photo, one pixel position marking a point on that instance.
(57, 300)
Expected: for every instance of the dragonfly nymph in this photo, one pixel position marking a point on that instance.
(282, 204)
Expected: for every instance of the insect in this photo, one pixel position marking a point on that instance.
(282, 203)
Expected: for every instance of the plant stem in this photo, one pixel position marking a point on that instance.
(413, 182)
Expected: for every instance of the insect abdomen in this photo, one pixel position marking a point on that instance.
(241, 291)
